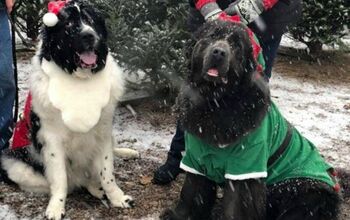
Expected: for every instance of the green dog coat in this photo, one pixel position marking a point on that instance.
(248, 158)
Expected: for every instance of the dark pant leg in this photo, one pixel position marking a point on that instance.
(275, 23)
(169, 171)
(177, 146)
(7, 83)
(269, 50)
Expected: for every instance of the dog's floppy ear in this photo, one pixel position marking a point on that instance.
(196, 63)
(254, 79)
(45, 44)
(261, 84)
(251, 77)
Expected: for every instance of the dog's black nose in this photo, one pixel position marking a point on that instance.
(88, 40)
(87, 37)
(218, 53)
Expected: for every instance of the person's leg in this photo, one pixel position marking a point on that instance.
(272, 25)
(171, 168)
(7, 83)
(269, 50)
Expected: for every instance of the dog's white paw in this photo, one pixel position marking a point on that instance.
(124, 202)
(126, 153)
(55, 210)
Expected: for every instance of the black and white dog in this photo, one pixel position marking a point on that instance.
(75, 88)
(226, 102)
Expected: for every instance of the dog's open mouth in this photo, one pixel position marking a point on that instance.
(214, 72)
(87, 60)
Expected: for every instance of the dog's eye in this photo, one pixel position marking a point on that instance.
(69, 24)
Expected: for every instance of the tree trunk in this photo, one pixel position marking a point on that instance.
(315, 47)
(32, 24)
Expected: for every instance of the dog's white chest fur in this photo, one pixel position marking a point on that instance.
(78, 101)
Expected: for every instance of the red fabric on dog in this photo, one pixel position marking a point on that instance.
(21, 131)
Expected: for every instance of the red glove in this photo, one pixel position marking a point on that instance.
(225, 17)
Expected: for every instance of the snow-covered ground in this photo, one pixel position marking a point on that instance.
(289, 41)
(317, 110)
(6, 213)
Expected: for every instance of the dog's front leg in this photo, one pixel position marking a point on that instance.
(196, 200)
(244, 200)
(55, 172)
(109, 185)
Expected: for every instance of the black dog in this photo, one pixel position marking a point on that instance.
(226, 102)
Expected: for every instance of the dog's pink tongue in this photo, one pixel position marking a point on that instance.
(88, 58)
(213, 72)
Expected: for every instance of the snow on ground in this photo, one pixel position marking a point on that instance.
(7, 213)
(130, 132)
(290, 42)
(316, 109)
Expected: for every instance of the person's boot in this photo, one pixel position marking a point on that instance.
(168, 171)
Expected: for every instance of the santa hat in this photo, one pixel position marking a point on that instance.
(50, 18)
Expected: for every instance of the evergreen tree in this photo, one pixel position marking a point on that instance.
(323, 22)
(29, 16)
(149, 35)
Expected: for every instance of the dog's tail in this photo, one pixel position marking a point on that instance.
(3, 175)
(126, 153)
(344, 180)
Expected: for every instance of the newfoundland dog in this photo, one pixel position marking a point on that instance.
(236, 138)
(74, 90)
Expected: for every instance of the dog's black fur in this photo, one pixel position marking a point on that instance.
(64, 42)
(220, 110)
(224, 106)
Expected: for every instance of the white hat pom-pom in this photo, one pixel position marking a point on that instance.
(50, 19)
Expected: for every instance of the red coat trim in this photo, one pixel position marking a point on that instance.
(235, 18)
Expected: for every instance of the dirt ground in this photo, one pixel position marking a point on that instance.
(134, 176)
(330, 68)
